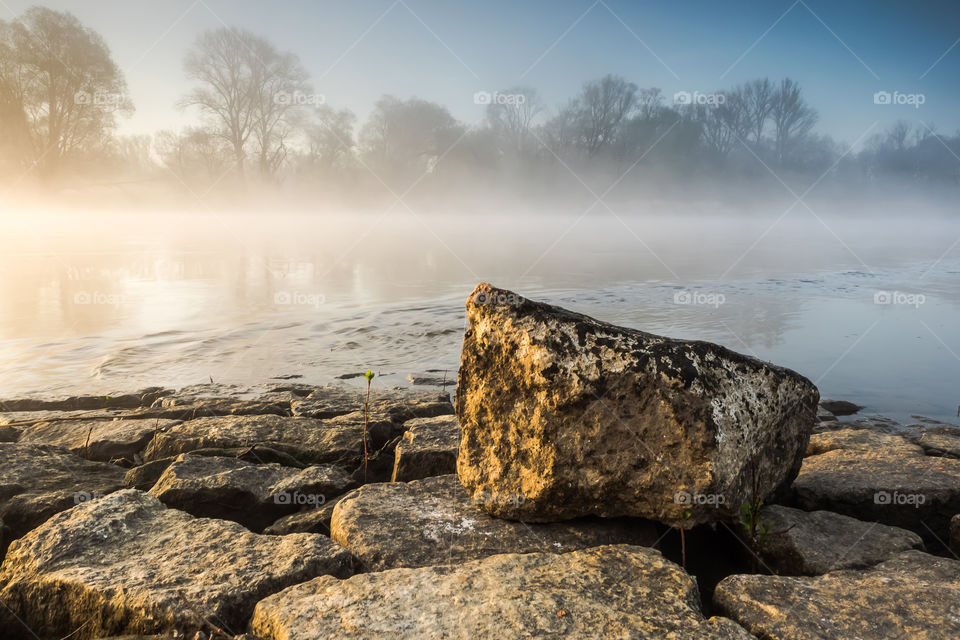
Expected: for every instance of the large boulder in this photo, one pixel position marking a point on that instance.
(433, 521)
(309, 441)
(913, 595)
(428, 448)
(102, 440)
(583, 417)
(815, 542)
(605, 592)
(38, 481)
(895, 486)
(255, 495)
(127, 564)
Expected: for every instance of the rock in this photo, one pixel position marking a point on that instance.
(432, 521)
(428, 448)
(9, 434)
(859, 440)
(257, 454)
(876, 423)
(583, 417)
(253, 495)
(310, 521)
(824, 416)
(102, 440)
(840, 407)
(38, 481)
(125, 564)
(399, 405)
(605, 592)
(146, 475)
(431, 381)
(941, 441)
(27, 418)
(955, 534)
(337, 440)
(895, 487)
(174, 409)
(142, 637)
(913, 595)
(814, 543)
(141, 398)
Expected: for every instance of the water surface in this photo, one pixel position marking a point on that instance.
(102, 303)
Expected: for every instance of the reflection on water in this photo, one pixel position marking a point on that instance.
(111, 303)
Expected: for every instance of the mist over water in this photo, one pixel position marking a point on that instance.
(862, 299)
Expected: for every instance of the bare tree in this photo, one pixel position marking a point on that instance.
(195, 153)
(724, 123)
(330, 136)
(510, 115)
(600, 109)
(557, 136)
(249, 91)
(408, 136)
(898, 134)
(59, 87)
(757, 100)
(792, 117)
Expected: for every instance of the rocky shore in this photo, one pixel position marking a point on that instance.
(584, 481)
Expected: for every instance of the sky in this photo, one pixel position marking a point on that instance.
(842, 52)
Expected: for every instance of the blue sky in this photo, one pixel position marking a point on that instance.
(841, 52)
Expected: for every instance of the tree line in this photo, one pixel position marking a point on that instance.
(260, 119)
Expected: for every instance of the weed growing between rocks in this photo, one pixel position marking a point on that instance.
(366, 410)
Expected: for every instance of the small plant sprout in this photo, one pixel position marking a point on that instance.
(757, 530)
(366, 406)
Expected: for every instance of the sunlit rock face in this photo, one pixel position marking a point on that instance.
(126, 564)
(564, 416)
(611, 591)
